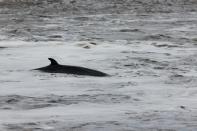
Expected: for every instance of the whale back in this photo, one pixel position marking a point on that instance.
(54, 67)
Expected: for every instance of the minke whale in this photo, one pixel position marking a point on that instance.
(55, 67)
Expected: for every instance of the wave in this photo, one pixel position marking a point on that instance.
(103, 6)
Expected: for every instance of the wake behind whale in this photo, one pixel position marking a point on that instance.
(54, 67)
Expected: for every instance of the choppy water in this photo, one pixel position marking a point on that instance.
(149, 48)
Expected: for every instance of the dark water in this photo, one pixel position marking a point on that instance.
(67, 19)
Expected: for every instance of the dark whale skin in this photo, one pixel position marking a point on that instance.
(54, 67)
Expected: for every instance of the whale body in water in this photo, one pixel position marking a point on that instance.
(55, 67)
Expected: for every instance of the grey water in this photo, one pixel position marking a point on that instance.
(148, 46)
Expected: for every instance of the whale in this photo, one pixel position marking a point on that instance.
(55, 67)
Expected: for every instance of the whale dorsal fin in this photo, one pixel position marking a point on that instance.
(53, 62)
